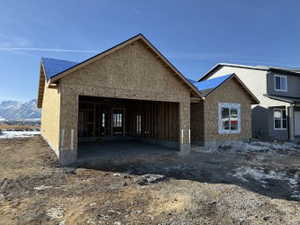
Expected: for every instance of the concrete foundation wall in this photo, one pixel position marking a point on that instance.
(229, 92)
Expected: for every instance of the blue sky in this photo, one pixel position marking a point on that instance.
(194, 35)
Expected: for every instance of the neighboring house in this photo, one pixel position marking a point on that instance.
(277, 117)
(132, 90)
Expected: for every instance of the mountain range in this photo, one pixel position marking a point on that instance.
(16, 110)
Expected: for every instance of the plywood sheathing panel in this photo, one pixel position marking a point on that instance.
(132, 72)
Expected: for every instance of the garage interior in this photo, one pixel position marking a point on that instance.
(114, 125)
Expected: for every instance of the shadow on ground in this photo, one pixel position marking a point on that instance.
(273, 175)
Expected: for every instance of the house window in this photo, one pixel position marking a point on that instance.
(229, 118)
(280, 120)
(280, 83)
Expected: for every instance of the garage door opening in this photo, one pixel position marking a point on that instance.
(111, 124)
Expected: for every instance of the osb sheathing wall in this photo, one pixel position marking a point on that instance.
(50, 117)
(229, 92)
(197, 123)
(132, 72)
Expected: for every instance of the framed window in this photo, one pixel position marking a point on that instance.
(280, 83)
(280, 119)
(229, 118)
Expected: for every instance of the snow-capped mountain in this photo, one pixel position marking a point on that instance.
(15, 110)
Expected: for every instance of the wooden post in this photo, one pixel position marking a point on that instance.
(72, 139)
(62, 138)
(184, 124)
(181, 142)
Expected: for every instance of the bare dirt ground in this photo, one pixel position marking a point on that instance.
(19, 127)
(203, 188)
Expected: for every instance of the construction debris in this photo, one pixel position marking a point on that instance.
(149, 179)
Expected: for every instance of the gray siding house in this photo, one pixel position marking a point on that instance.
(277, 117)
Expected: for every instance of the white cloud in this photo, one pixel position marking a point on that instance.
(47, 50)
(19, 44)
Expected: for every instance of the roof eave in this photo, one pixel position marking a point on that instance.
(209, 72)
(282, 98)
(272, 69)
(42, 82)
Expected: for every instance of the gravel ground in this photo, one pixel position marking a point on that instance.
(221, 187)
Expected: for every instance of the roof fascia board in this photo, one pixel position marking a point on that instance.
(283, 98)
(279, 99)
(219, 65)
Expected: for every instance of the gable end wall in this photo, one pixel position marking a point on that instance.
(132, 72)
(229, 92)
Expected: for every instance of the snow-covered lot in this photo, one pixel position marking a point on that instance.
(269, 178)
(271, 164)
(18, 134)
(259, 146)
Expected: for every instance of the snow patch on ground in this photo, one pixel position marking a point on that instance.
(259, 146)
(263, 177)
(258, 174)
(18, 134)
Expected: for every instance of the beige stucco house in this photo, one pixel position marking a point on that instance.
(132, 90)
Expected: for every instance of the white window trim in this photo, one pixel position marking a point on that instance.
(286, 85)
(280, 109)
(236, 106)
